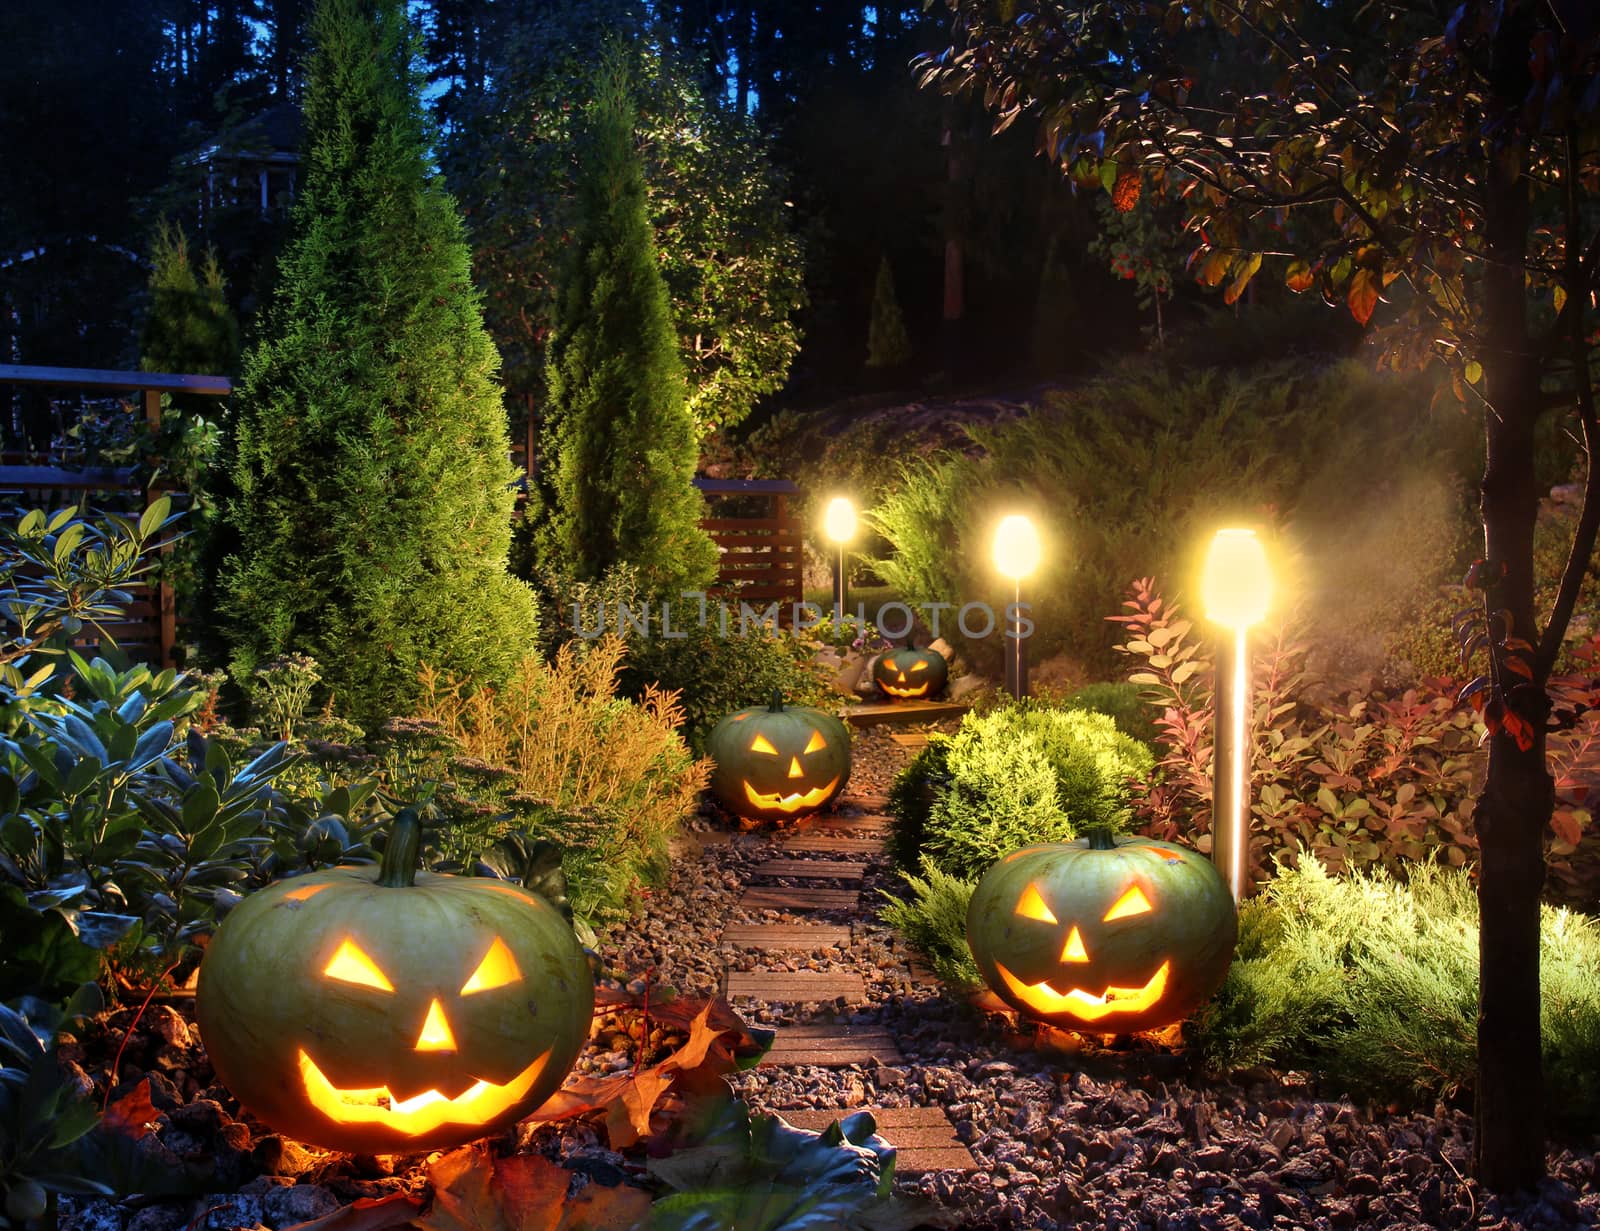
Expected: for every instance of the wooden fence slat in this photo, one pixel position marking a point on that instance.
(740, 525)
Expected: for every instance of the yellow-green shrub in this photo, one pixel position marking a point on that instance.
(615, 774)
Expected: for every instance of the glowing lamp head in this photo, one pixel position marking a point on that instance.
(1016, 547)
(839, 520)
(1236, 585)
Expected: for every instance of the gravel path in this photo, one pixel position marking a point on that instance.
(1092, 1137)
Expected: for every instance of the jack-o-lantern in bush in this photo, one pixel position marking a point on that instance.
(1105, 934)
(776, 762)
(389, 1010)
(909, 673)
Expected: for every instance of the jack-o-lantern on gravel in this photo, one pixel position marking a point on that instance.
(389, 1010)
(777, 762)
(908, 673)
(1105, 934)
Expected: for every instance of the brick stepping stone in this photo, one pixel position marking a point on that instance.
(833, 843)
(794, 986)
(812, 869)
(861, 826)
(833, 1046)
(784, 936)
(923, 1137)
(903, 713)
(913, 740)
(801, 897)
(867, 803)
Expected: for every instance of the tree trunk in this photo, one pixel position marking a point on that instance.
(1518, 794)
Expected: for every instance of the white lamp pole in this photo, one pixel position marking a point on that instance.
(839, 525)
(1016, 555)
(1236, 590)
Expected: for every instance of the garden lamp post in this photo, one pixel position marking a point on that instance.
(1016, 555)
(839, 524)
(1235, 589)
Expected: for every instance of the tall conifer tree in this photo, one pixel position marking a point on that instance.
(619, 446)
(370, 453)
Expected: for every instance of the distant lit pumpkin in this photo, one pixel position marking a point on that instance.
(778, 761)
(387, 1010)
(909, 673)
(1104, 934)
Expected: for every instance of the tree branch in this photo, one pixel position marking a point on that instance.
(1583, 537)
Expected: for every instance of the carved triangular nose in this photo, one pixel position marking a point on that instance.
(794, 768)
(436, 1034)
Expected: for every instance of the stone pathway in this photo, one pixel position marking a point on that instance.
(820, 868)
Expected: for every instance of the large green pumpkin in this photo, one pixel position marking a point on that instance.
(1105, 934)
(776, 762)
(388, 1010)
(909, 673)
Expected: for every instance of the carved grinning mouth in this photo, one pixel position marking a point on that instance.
(790, 803)
(915, 690)
(477, 1105)
(1086, 1006)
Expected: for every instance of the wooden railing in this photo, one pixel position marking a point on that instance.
(763, 556)
(149, 629)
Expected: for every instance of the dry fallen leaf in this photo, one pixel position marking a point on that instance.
(474, 1191)
(366, 1214)
(132, 1114)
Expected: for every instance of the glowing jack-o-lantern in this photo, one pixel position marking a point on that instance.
(909, 673)
(776, 761)
(1105, 934)
(390, 1010)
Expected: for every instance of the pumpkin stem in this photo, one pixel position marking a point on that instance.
(776, 704)
(1101, 838)
(402, 853)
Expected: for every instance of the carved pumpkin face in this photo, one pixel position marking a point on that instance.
(910, 673)
(778, 761)
(390, 1019)
(1102, 934)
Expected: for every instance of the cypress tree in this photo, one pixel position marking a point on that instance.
(888, 343)
(619, 447)
(370, 454)
(189, 328)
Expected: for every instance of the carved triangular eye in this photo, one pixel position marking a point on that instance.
(816, 743)
(496, 970)
(1133, 902)
(762, 744)
(350, 965)
(915, 667)
(1031, 906)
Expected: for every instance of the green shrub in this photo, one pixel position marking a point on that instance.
(934, 922)
(1373, 984)
(714, 675)
(607, 778)
(370, 516)
(1126, 475)
(1010, 777)
(1121, 703)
